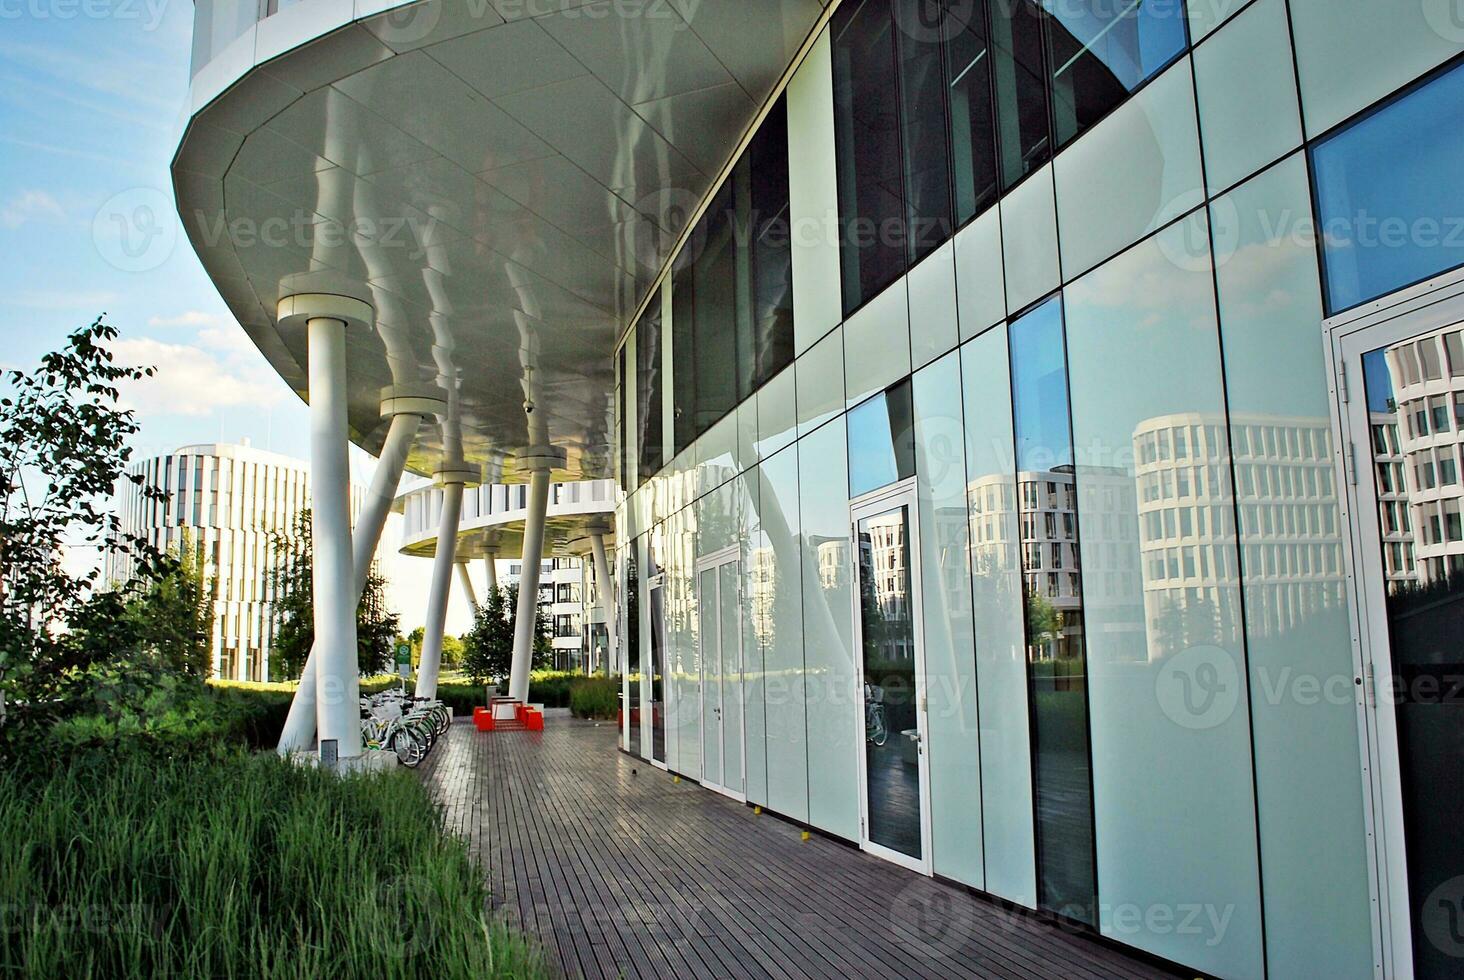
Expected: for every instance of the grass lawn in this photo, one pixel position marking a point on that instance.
(127, 865)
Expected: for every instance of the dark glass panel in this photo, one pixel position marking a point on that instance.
(771, 248)
(623, 442)
(1056, 661)
(1021, 87)
(887, 630)
(656, 595)
(683, 359)
(1389, 195)
(923, 129)
(649, 385)
(973, 128)
(632, 645)
(867, 150)
(881, 440)
(714, 288)
(1425, 608)
(1101, 50)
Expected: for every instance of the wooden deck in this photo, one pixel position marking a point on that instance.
(619, 871)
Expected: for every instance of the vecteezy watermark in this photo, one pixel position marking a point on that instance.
(932, 921)
(150, 12)
(306, 229)
(136, 230)
(1445, 18)
(95, 918)
(1198, 688)
(404, 911)
(1442, 917)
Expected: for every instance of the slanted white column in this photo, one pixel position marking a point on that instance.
(538, 460)
(604, 593)
(451, 479)
(490, 565)
(406, 407)
(466, 581)
(326, 318)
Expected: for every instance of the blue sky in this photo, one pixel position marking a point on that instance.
(92, 95)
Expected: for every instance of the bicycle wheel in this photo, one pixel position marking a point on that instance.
(408, 751)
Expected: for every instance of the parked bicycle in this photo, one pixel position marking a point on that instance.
(394, 721)
(875, 729)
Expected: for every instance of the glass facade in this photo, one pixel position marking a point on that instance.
(1082, 327)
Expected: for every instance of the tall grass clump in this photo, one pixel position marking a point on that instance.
(131, 865)
(595, 697)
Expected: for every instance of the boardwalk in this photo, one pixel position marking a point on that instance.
(619, 871)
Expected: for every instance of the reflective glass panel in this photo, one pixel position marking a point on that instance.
(1424, 590)
(867, 148)
(1101, 50)
(1020, 83)
(648, 400)
(712, 677)
(632, 647)
(973, 130)
(923, 126)
(881, 441)
(1388, 218)
(887, 631)
(1047, 506)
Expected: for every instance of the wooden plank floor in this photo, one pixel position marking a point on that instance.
(621, 872)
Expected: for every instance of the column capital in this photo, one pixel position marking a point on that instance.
(300, 308)
(424, 400)
(542, 457)
(455, 473)
(601, 526)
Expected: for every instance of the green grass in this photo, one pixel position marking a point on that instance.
(128, 865)
(595, 697)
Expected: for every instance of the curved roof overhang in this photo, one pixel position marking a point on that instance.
(565, 533)
(502, 180)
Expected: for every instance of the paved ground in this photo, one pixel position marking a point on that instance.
(619, 871)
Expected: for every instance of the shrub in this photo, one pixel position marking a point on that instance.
(595, 697)
(127, 866)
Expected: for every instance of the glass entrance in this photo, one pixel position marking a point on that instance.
(894, 762)
(721, 665)
(1404, 416)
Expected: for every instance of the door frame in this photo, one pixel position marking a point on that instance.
(654, 583)
(1409, 312)
(873, 504)
(730, 555)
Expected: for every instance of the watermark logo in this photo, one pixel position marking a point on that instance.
(1445, 18)
(150, 12)
(1199, 688)
(667, 212)
(933, 23)
(1442, 917)
(405, 909)
(933, 922)
(411, 22)
(136, 230)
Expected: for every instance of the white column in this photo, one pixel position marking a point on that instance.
(299, 730)
(603, 591)
(337, 714)
(490, 565)
(442, 566)
(466, 581)
(538, 462)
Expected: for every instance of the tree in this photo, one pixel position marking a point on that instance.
(1044, 621)
(488, 653)
(293, 608)
(173, 615)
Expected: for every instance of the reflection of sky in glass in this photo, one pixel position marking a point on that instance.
(1377, 381)
(1039, 389)
(879, 441)
(1386, 216)
(1129, 37)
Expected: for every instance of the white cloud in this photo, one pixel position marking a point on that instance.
(188, 318)
(193, 380)
(31, 205)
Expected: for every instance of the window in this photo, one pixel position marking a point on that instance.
(1021, 89)
(1101, 50)
(881, 440)
(1379, 210)
(732, 289)
(649, 394)
(972, 127)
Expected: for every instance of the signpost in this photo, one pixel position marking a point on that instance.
(403, 660)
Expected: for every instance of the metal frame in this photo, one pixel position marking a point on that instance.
(1409, 312)
(714, 562)
(872, 504)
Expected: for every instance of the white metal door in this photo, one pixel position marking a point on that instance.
(894, 770)
(724, 762)
(1399, 369)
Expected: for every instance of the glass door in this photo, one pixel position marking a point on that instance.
(1401, 398)
(894, 771)
(723, 766)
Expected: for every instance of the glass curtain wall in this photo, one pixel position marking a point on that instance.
(938, 103)
(1047, 512)
(732, 289)
(649, 384)
(632, 646)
